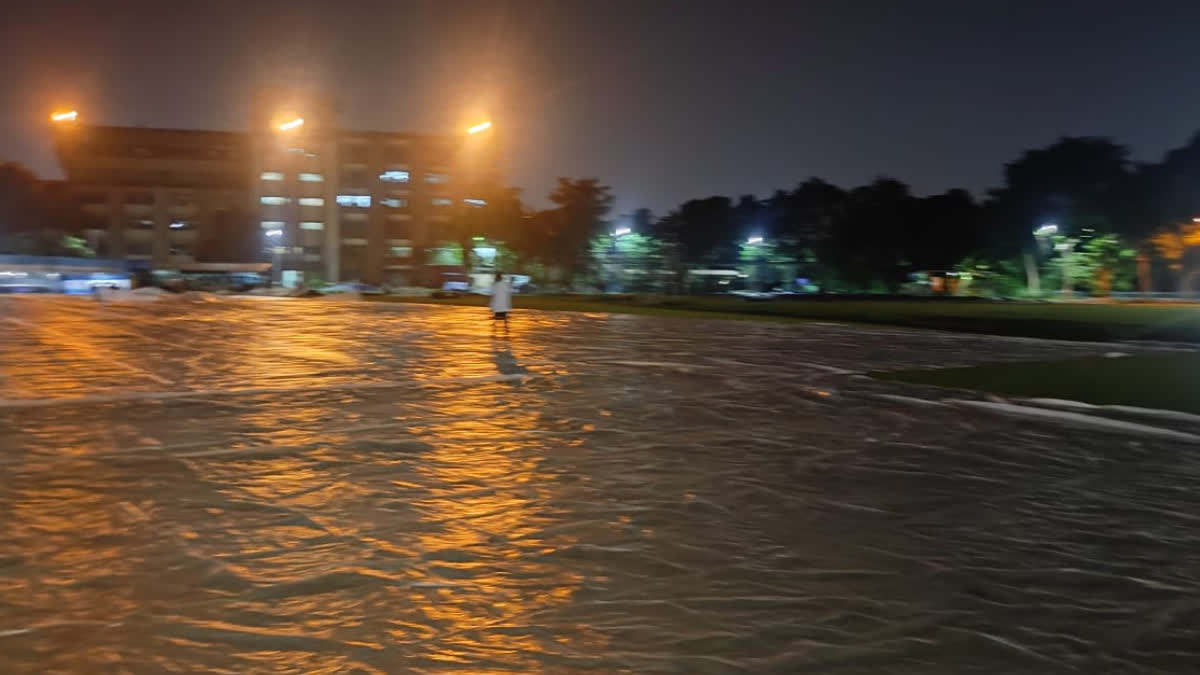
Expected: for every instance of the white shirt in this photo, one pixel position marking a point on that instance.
(501, 296)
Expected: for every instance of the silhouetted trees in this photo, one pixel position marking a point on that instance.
(36, 218)
(1077, 212)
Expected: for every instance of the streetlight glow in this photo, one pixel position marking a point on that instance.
(482, 126)
(1046, 230)
(65, 116)
(754, 240)
(621, 231)
(294, 124)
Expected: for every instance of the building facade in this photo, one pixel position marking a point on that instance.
(316, 201)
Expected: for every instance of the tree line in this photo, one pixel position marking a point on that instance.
(1075, 216)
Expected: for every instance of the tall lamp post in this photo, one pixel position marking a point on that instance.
(1041, 236)
(619, 274)
(755, 243)
(286, 130)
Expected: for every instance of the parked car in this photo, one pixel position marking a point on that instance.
(353, 287)
(454, 283)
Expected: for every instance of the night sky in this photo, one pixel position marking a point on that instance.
(663, 100)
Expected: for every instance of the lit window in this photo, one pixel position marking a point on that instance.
(437, 178)
(273, 201)
(312, 201)
(442, 201)
(394, 203)
(311, 177)
(312, 225)
(272, 224)
(361, 201)
(271, 175)
(401, 251)
(475, 202)
(394, 176)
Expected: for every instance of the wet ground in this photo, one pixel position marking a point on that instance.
(244, 486)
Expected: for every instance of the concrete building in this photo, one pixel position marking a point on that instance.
(314, 200)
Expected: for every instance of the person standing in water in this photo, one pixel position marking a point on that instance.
(501, 303)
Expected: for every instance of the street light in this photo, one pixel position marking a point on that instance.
(621, 231)
(482, 126)
(1046, 230)
(64, 116)
(292, 124)
(754, 240)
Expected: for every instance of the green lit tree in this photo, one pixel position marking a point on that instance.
(627, 262)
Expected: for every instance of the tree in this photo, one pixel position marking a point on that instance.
(36, 218)
(1179, 246)
(804, 218)
(1165, 200)
(802, 223)
(702, 231)
(499, 218)
(579, 214)
(642, 221)
(1077, 183)
(627, 262)
(942, 230)
(867, 247)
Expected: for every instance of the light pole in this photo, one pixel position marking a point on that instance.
(287, 130)
(757, 262)
(1041, 238)
(615, 254)
(1066, 249)
(276, 255)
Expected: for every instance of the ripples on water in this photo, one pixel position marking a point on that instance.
(315, 486)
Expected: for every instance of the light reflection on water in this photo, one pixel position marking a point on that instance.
(658, 497)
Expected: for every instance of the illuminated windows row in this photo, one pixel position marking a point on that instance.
(403, 176)
(389, 176)
(305, 225)
(304, 177)
(303, 201)
(362, 201)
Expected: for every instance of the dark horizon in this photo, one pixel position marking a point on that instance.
(663, 103)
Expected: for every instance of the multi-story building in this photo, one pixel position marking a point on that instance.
(314, 200)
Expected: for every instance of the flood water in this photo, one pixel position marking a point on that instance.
(314, 486)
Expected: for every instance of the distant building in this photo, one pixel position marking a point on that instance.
(311, 199)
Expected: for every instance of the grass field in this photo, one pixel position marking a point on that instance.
(1067, 321)
(1168, 381)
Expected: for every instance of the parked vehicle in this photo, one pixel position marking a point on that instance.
(352, 287)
